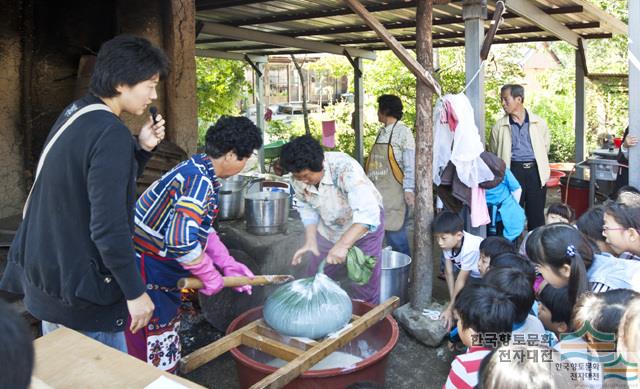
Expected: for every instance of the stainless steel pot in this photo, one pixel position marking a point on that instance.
(266, 212)
(394, 277)
(231, 197)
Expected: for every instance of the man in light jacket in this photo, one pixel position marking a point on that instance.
(522, 140)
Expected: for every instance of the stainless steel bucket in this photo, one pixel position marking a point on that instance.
(394, 277)
(231, 197)
(266, 212)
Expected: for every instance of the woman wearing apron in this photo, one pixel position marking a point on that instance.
(391, 166)
(174, 237)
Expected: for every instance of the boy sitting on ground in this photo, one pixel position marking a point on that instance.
(490, 248)
(459, 248)
(484, 316)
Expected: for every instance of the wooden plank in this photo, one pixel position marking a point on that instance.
(299, 343)
(211, 351)
(281, 40)
(270, 346)
(529, 11)
(491, 33)
(306, 360)
(394, 45)
(230, 282)
(229, 55)
(65, 358)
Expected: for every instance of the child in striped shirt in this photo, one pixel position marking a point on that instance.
(484, 316)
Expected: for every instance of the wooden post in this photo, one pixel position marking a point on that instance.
(358, 102)
(180, 89)
(579, 109)
(305, 114)
(259, 95)
(422, 269)
(634, 91)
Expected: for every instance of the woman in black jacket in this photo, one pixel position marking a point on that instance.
(73, 257)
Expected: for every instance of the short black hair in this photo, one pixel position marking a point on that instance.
(627, 188)
(16, 358)
(390, 105)
(591, 223)
(563, 210)
(515, 261)
(496, 245)
(516, 285)
(557, 302)
(516, 90)
(302, 153)
(485, 309)
(447, 222)
(232, 133)
(126, 60)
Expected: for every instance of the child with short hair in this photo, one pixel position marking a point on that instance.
(629, 333)
(556, 213)
(554, 311)
(459, 248)
(514, 261)
(17, 356)
(601, 311)
(490, 248)
(480, 310)
(601, 314)
(518, 287)
(622, 230)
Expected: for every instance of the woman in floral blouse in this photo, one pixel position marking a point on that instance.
(339, 207)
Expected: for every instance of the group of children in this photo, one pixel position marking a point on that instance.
(551, 311)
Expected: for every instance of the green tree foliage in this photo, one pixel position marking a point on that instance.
(220, 85)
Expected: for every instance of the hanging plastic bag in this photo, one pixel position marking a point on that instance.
(359, 266)
(310, 307)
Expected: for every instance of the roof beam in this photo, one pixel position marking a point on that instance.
(440, 36)
(452, 44)
(529, 11)
(282, 41)
(397, 24)
(203, 5)
(411, 63)
(229, 55)
(613, 24)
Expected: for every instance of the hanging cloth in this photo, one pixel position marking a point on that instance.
(383, 170)
(329, 133)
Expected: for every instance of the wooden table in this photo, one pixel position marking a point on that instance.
(67, 359)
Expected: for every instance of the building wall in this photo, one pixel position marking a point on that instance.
(41, 45)
(12, 183)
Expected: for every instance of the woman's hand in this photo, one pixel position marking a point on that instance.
(630, 141)
(337, 254)
(309, 246)
(151, 134)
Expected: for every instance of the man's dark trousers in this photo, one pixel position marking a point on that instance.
(534, 195)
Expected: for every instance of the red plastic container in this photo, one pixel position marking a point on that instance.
(554, 179)
(577, 195)
(382, 337)
(617, 142)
